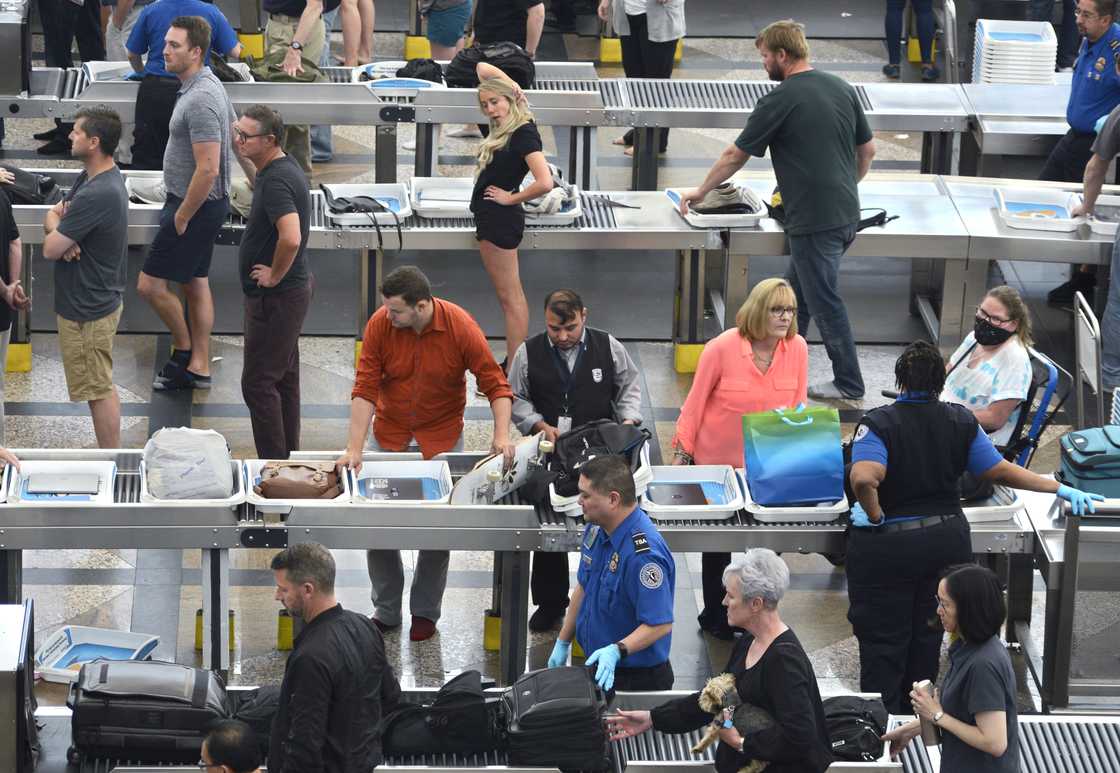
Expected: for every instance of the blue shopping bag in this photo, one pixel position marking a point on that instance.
(793, 457)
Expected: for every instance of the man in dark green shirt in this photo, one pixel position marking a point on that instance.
(821, 147)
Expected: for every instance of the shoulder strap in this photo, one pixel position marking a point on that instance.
(962, 359)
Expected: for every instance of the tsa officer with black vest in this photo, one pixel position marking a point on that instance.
(621, 611)
(908, 526)
(568, 375)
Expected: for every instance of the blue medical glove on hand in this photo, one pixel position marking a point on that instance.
(607, 658)
(1100, 123)
(559, 656)
(860, 518)
(1080, 501)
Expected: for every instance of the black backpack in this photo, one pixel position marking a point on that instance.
(31, 187)
(510, 58)
(424, 69)
(257, 708)
(854, 727)
(584, 443)
(461, 720)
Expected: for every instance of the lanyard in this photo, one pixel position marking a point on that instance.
(567, 377)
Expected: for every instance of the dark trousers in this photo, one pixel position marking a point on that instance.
(1068, 159)
(270, 375)
(155, 101)
(643, 58)
(646, 679)
(1068, 38)
(62, 22)
(712, 565)
(549, 580)
(923, 12)
(892, 603)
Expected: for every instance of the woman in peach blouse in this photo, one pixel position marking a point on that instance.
(760, 364)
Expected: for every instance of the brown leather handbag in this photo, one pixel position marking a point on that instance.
(299, 480)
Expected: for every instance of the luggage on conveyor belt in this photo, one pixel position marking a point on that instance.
(299, 480)
(854, 727)
(1090, 460)
(144, 710)
(556, 720)
(185, 463)
(461, 720)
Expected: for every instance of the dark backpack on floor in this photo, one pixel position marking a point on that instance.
(461, 720)
(854, 727)
(556, 720)
(510, 58)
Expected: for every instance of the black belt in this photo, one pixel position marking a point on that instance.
(920, 523)
(161, 77)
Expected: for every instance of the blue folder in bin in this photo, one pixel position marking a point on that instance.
(793, 457)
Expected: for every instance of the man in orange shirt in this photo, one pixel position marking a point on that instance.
(416, 350)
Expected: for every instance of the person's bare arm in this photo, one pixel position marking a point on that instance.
(312, 11)
(1017, 477)
(137, 62)
(995, 415)
(1095, 172)
(120, 13)
(989, 734)
(288, 240)
(361, 414)
(568, 628)
(730, 161)
(534, 26)
(866, 477)
(864, 154)
(645, 635)
(207, 162)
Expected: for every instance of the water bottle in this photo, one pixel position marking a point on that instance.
(931, 733)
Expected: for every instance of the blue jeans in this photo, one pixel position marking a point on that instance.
(814, 272)
(1110, 328)
(923, 11)
(1068, 39)
(322, 145)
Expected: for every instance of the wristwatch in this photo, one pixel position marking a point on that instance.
(937, 717)
(623, 650)
(296, 45)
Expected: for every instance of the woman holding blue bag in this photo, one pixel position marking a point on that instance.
(759, 365)
(907, 526)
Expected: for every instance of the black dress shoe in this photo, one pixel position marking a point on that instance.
(49, 134)
(1081, 281)
(546, 618)
(56, 147)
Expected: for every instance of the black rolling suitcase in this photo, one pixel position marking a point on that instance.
(146, 711)
(556, 720)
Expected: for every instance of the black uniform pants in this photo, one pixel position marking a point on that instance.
(714, 614)
(549, 580)
(62, 22)
(155, 101)
(1066, 162)
(645, 679)
(892, 603)
(644, 58)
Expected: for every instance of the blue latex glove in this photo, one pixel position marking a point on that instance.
(559, 656)
(859, 517)
(139, 76)
(1100, 123)
(1080, 501)
(607, 658)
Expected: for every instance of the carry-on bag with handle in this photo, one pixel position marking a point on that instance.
(556, 720)
(793, 457)
(1090, 460)
(145, 710)
(460, 720)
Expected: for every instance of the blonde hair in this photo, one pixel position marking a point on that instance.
(753, 317)
(786, 35)
(519, 115)
(1017, 311)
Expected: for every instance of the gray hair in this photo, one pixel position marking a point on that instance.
(761, 574)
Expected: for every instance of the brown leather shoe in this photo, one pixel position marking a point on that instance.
(422, 629)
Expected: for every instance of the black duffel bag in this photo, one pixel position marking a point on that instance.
(257, 708)
(854, 727)
(579, 446)
(31, 187)
(510, 58)
(461, 720)
(423, 69)
(556, 720)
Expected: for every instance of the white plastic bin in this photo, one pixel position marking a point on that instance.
(693, 218)
(825, 512)
(283, 506)
(1038, 209)
(720, 476)
(233, 500)
(1001, 506)
(442, 198)
(392, 195)
(61, 656)
(438, 472)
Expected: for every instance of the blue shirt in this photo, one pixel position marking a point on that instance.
(155, 20)
(1095, 87)
(628, 579)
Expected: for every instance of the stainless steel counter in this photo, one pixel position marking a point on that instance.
(1011, 120)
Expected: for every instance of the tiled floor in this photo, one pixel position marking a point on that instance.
(158, 591)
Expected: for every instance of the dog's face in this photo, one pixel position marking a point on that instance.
(718, 693)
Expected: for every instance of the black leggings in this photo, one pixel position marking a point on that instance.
(643, 58)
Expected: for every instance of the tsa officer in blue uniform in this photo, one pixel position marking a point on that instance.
(908, 526)
(621, 610)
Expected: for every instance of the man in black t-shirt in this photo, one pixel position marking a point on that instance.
(516, 21)
(276, 281)
(12, 296)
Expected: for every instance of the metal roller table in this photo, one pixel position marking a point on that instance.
(1072, 554)
(928, 231)
(1010, 120)
(650, 104)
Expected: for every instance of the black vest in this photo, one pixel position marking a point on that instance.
(587, 398)
(927, 450)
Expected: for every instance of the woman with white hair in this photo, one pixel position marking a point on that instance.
(772, 672)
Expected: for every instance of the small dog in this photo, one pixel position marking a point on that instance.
(719, 694)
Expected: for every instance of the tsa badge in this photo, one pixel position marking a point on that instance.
(1099, 64)
(614, 563)
(597, 375)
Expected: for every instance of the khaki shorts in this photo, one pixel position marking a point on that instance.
(87, 355)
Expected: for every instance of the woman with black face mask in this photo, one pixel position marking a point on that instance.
(990, 372)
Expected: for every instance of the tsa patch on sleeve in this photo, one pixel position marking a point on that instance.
(861, 433)
(651, 575)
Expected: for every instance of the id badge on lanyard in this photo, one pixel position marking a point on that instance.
(564, 424)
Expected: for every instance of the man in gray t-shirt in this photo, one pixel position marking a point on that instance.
(196, 170)
(87, 234)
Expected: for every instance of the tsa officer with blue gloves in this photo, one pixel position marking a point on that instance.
(621, 610)
(907, 526)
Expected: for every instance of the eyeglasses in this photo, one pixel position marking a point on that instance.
(243, 136)
(990, 317)
(1086, 15)
(941, 604)
(780, 311)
